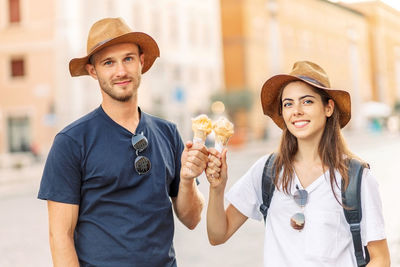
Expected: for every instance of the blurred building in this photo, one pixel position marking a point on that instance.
(384, 33)
(182, 79)
(39, 37)
(27, 77)
(206, 46)
(262, 38)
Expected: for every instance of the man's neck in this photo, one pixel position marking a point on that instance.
(125, 114)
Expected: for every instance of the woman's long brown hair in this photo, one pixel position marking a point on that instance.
(332, 150)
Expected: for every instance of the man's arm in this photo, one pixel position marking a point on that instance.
(62, 221)
(189, 202)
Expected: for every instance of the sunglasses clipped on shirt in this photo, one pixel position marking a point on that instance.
(298, 220)
(142, 163)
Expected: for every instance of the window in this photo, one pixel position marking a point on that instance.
(18, 134)
(14, 10)
(177, 73)
(17, 67)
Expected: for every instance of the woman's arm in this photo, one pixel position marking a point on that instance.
(378, 253)
(221, 223)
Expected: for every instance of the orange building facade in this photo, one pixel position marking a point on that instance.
(27, 78)
(384, 33)
(265, 37)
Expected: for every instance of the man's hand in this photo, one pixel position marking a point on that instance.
(189, 202)
(194, 160)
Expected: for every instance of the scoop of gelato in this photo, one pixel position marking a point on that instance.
(223, 130)
(201, 126)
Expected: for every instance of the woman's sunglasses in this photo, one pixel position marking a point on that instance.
(298, 220)
(142, 163)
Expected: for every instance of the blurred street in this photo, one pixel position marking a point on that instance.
(23, 220)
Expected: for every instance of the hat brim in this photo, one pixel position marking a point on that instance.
(149, 47)
(271, 104)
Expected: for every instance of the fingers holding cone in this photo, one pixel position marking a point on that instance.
(216, 171)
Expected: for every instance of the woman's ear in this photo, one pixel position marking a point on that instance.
(329, 108)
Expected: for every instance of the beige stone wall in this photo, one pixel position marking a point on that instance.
(384, 25)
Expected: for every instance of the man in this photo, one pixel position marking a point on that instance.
(110, 176)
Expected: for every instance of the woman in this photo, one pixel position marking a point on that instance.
(311, 159)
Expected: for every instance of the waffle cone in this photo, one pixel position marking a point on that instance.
(199, 134)
(223, 140)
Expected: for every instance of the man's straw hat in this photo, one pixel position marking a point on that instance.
(111, 31)
(311, 74)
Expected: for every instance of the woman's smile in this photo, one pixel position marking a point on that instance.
(300, 123)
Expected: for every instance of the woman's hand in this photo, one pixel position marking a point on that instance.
(216, 170)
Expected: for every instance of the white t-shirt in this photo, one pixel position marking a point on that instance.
(326, 239)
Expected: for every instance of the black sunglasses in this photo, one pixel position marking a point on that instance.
(142, 163)
(298, 220)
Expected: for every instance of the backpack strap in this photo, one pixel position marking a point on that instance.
(351, 198)
(267, 184)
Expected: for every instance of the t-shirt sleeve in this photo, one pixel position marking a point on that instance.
(179, 146)
(372, 222)
(61, 180)
(245, 194)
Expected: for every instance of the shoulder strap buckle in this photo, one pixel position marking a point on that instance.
(355, 227)
(263, 209)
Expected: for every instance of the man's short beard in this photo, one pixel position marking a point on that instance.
(124, 98)
(120, 99)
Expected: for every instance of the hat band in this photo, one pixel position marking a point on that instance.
(310, 80)
(99, 44)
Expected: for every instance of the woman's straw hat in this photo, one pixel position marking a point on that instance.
(311, 74)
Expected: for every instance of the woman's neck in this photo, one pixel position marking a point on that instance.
(307, 163)
(307, 151)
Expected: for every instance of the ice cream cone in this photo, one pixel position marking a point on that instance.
(199, 136)
(201, 126)
(222, 139)
(223, 130)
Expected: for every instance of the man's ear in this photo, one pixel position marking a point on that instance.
(91, 70)
(329, 108)
(142, 59)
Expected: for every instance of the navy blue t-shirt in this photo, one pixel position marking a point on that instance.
(125, 219)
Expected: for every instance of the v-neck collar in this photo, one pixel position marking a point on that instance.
(142, 121)
(311, 187)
